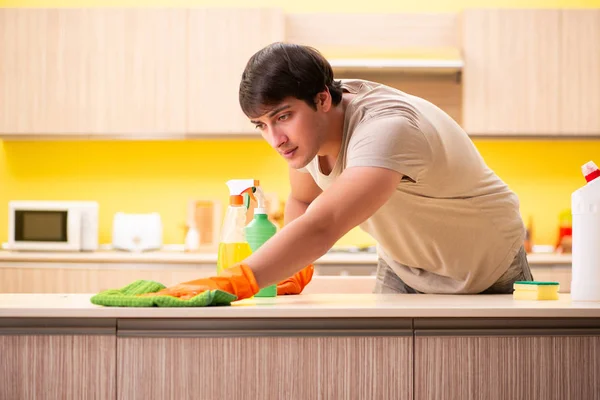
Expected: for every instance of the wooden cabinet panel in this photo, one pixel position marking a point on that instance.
(92, 71)
(265, 368)
(70, 367)
(512, 71)
(43, 73)
(498, 368)
(336, 33)
(88, 279)
(137, 82)
(554, 273)
(580, 72)
(220, 42)
(97, 277)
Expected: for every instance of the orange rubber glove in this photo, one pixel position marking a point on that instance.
(296, 283)
(238, 280)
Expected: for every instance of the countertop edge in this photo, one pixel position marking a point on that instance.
(304, 314)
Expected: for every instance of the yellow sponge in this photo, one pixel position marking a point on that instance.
(533, 290)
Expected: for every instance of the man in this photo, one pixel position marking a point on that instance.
(365, 154)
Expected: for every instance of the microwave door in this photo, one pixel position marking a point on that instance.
(46, 230)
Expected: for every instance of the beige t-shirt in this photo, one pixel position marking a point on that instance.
(452, 225)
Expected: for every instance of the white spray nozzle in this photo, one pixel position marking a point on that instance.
(260, 199)
(239, 186)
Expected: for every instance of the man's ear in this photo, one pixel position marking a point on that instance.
(323, 100)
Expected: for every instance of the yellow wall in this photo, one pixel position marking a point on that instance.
(162, 176)
(134, 176)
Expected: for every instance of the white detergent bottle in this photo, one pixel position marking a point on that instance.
(585, 206)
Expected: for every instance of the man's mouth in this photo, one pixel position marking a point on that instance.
(289, 153)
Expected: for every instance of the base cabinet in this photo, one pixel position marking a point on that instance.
(265, 368)
(41, 363)
(497, 366)
(300, 358)
(70, 277)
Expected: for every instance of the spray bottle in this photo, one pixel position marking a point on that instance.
(233, 246)
(258, 231)
(585, 206)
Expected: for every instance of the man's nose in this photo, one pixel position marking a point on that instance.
(278, 138)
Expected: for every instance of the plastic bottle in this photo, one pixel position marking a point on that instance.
(585, 206)
(233, 246)
(258, 231)
(192, 238)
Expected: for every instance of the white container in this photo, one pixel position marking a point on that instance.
(585, 207)
(192, 239)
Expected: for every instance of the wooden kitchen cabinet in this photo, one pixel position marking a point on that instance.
(119, 73)
(44, 81)
(220, 42)
(241, 363)
(580, 72)
(511, 76)
(57, 362)
(499, 363)
(531, 72)
(92, 72)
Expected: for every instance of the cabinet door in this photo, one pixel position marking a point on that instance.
(497, 363)
(42, 363)
(249, 359)
(43, 71)
(137, 81)
(220, 44)
(511, 73)
(92, 72)
(580, 72)
(265, 368)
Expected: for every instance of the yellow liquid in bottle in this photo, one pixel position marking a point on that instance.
(231, 254)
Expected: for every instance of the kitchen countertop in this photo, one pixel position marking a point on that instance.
(181, 257)
(309, 306)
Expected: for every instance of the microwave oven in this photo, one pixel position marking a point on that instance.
(52, 225)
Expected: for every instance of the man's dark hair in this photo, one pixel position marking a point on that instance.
(282, 70)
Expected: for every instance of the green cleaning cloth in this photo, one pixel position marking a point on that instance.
(127, 296)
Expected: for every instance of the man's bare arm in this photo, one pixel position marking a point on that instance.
(354, 197)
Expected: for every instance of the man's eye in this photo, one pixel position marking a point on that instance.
(283, 117)
(260, 126)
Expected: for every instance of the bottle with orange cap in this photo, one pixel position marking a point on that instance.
(233, 246)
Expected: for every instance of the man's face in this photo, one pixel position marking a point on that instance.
(294, 129)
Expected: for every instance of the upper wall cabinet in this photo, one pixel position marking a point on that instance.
(580, 72)
(531, 72)
(511, 72)
(119, 73)
(220, 43)
(92, 72)
(388, 35)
